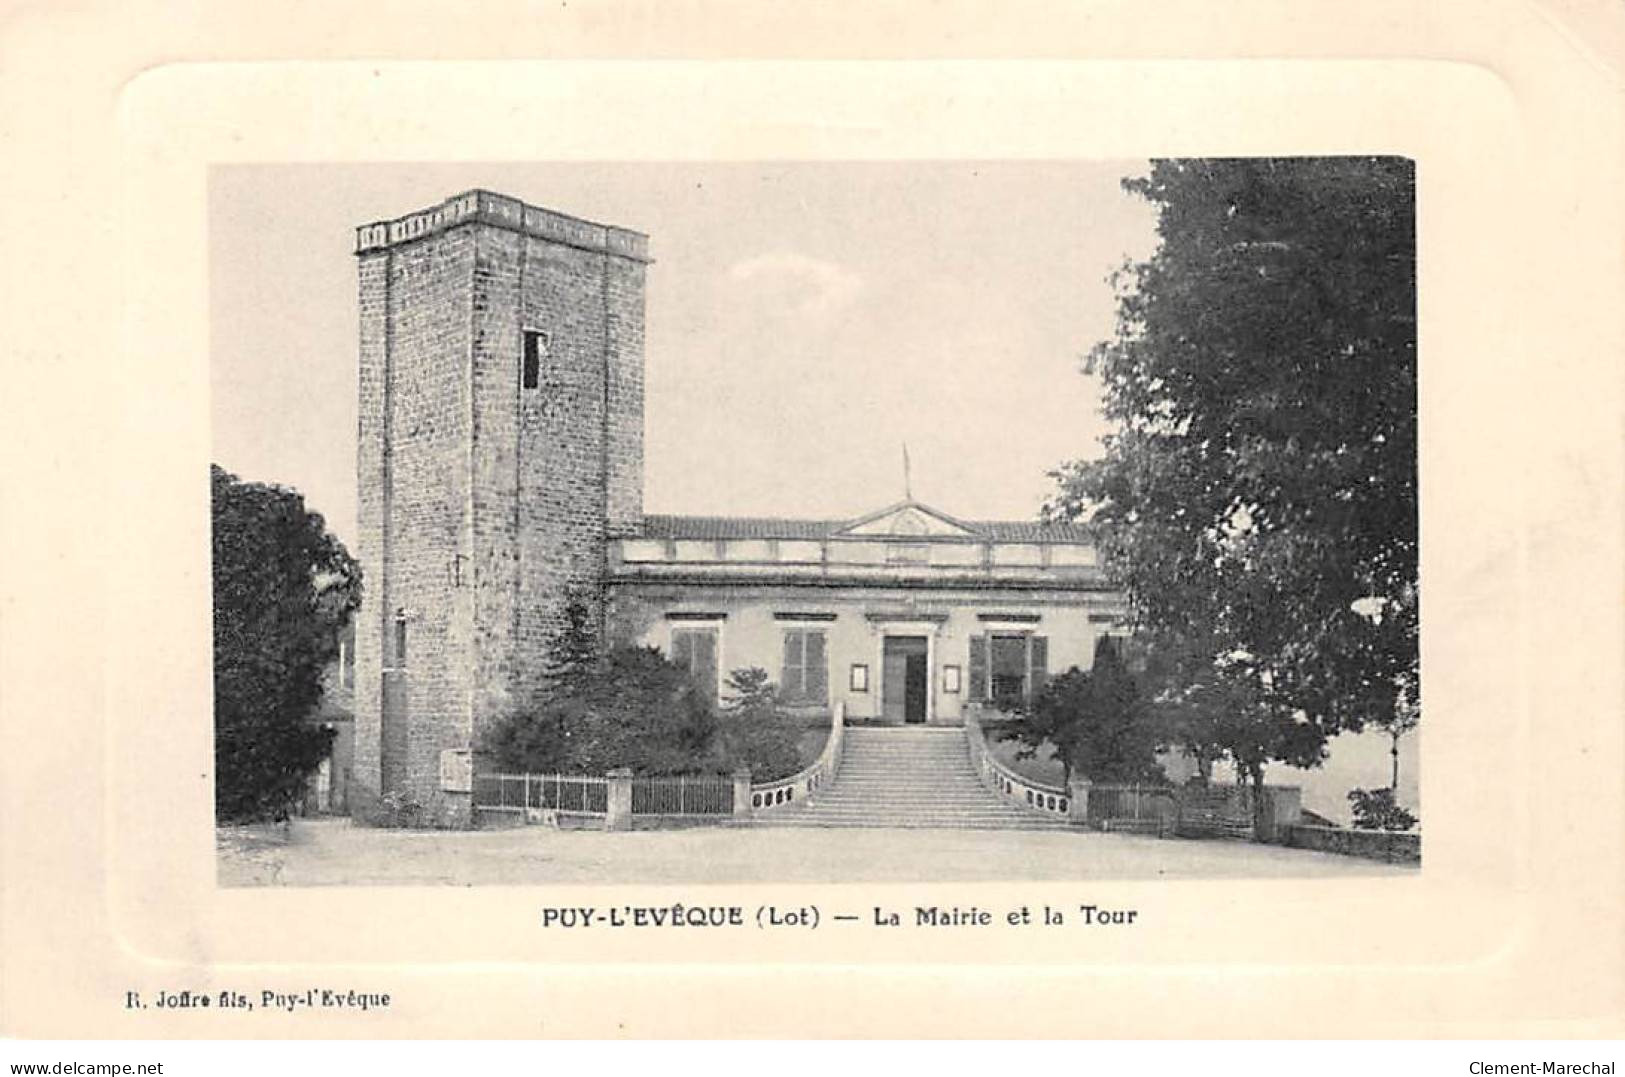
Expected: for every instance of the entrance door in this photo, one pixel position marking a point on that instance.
(904, 679)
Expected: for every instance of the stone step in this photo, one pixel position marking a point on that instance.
(900, 761)
(882, 802)
(924, 771)
(890, 761)
(855, 760)
(914, 786)
(916, 812)
(908, 778)
(957, 765)
(975, 791)
(873, 791)
(878, 819)
(905, 823)
(919, 795)
(926, 778)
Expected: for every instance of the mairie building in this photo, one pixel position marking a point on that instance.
(500, 478)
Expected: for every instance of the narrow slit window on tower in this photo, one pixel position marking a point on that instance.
(535, 348)
(400, 641)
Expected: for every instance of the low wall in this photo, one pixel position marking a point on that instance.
(799, 788)
(1015, 788)
(1394, 847)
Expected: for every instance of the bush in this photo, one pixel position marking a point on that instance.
(754, 732)
(1375, 809)
(628, 708)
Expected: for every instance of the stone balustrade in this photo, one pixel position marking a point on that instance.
(1007, 783)
(803, 785)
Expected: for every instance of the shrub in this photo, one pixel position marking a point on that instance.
(628, 708)
(754, 732)
(1375, 809)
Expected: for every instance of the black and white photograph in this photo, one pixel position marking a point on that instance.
(530, 529)
(821, 522)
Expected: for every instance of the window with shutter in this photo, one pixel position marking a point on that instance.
(695, 649)
(1008, 668)
(816, 669)
(978, 668)
(790, 676)
(704, 668)
(1038, 665)
(805, 675)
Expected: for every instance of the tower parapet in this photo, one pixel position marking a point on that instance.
(487, 207)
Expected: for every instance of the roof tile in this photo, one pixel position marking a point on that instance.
(714, 528)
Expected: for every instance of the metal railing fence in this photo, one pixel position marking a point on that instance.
(576, 793)
(698, 794)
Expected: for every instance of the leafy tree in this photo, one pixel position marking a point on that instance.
(284, 588)
(1096, 721)
(1258, 502)
(1225, 706)
(753, 731)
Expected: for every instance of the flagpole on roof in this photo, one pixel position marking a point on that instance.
(908, 489)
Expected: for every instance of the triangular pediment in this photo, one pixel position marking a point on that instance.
(908, 519)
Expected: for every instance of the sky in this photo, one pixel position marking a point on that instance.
(804, 321)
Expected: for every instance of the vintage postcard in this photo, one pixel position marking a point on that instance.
(881, 548)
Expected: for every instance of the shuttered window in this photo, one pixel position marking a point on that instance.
(695, 649)
(805, 675)
(978, 668)
(1008, 668)
(1037, 665)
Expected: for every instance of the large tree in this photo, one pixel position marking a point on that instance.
(284, 588)
(1258, 500)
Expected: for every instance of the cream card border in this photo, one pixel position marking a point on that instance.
(1513, 924)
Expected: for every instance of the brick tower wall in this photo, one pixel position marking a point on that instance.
(415, 427)
(623, 311)
(373, 272)
(484, 505)
(558, 468)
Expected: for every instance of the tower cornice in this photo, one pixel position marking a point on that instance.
(487, 207)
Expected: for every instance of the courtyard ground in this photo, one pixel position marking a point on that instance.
(333, 852)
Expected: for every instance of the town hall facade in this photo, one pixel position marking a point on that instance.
(500, 478)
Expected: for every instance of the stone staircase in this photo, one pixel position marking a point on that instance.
(911, 778)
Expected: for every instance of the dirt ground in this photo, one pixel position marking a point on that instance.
(333, 852)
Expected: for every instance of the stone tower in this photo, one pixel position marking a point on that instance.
(500, 444)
